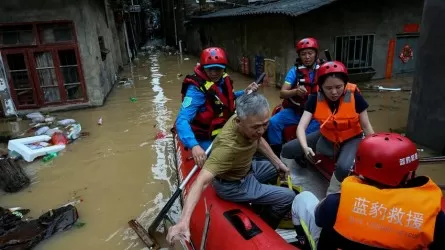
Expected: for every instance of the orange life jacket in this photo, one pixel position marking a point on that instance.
(219, 105)
(303, 79)
(401, 218)
(344, 123)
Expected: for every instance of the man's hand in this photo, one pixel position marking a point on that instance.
(178, 232)
(199, 155)
(181, 231)
(301, 91)
(283, 170)
(251, 88)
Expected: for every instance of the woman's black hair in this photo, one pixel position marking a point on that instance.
(341, 76)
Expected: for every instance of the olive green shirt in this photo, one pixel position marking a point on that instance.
(232, 153)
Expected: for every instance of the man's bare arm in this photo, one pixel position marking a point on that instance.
(204, 178)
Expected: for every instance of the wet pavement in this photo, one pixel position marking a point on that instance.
(121, 171)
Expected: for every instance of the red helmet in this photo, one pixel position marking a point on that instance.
(307, 43)
(386, 158)
(213, 57)
(331, 67)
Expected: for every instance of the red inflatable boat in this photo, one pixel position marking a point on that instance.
(231, 226)
(235, 226)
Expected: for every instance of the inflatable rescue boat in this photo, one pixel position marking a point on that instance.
(233, 226)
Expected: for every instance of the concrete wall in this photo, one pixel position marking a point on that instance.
(91, 21)
(426, 120)
(275, 35)
(249, 36)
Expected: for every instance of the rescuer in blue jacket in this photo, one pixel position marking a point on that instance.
(300, 82)
(208, 101)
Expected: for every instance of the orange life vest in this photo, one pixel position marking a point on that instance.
(219, 105)
(344, 123)
(303, 79)
(401, 218)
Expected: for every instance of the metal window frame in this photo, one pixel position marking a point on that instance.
(369, 35)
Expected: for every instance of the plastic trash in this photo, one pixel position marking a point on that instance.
(160, 135)
(42, 130)
(32, 147)
(99, 121)
(73, 131)
(59, 138)
(389, 89)
(50, 119)
(35, 115)
(49, 157)
(66, 122)
(51, 131)
(37, 145)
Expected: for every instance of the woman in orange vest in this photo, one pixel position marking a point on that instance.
(342, 112)
(382, 206)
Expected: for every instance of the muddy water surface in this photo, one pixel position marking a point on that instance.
(122, 172)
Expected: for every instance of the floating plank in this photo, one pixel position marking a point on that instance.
(142, 233)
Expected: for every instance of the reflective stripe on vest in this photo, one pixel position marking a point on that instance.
(219, 106)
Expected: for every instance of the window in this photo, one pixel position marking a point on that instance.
(48, 33)
(42, 63)
(70, 74)
(54, 33)
(21, 82)
(46, 76)
(17, 35)
(355, 52)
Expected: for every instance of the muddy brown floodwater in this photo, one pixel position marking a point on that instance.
(122, 172)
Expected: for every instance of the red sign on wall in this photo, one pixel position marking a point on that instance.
(406, 54)
(411, 28)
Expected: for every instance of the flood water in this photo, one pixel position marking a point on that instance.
(120, 171)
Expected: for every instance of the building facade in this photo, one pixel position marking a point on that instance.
(373, 40)
(60, 53)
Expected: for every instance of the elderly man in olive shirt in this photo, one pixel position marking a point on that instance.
(234, 175)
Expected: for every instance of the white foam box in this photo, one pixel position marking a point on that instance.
(29, 153)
